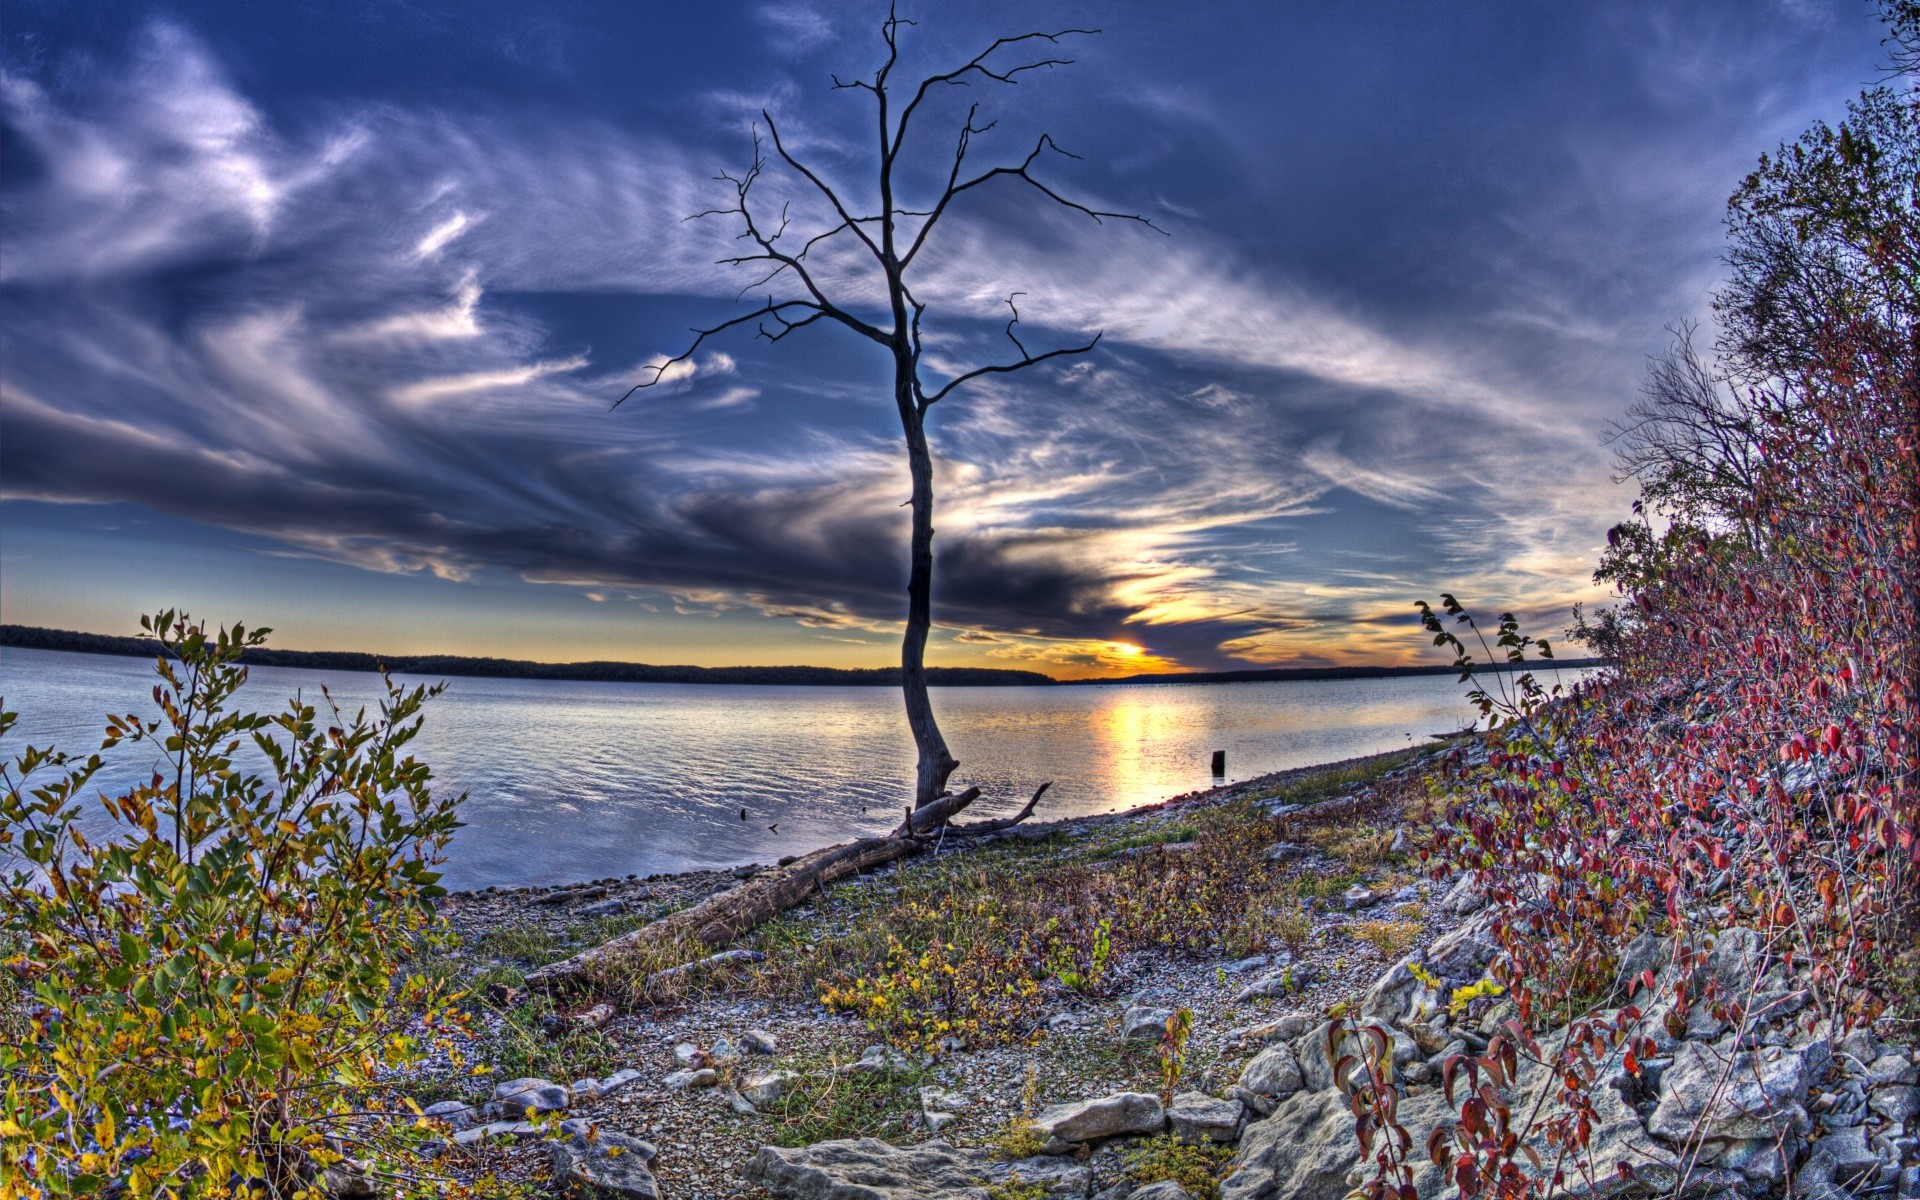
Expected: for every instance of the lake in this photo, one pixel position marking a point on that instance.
(571, 781)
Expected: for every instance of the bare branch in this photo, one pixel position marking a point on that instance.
(978, 64)
(770, 309)
(1026, 360)
(1023, 171)
(832, 196)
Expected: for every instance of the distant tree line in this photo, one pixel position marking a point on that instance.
(33, 637)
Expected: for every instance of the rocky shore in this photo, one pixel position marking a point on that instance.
(740, 1088)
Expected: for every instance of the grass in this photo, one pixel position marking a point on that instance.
(823, 1104)
(1166, 836)
(1391, 938)
(967, 945)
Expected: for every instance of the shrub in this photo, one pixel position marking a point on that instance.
(216, 965)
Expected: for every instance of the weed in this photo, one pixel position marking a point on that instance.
(1166, 1157)
(1015, 1188)
(1391, 938)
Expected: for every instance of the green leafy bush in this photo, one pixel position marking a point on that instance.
(214, 964)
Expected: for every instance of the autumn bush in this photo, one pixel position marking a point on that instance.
(212, 966)
(1749, 762)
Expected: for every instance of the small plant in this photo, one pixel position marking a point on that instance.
(1463, 996)
(1087, 978)
(1015, 1188)
(1021, 1137)
(1192, 1166)
(1173, 1050)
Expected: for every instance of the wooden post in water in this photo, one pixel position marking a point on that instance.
(1220, 763)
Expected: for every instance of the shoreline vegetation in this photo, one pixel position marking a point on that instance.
(33, 637)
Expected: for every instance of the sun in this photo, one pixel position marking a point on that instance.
(1126, 649)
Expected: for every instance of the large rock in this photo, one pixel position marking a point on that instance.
(1143, 1024)
(1166, 1189)
(1197, 1117)
(1117, 1115)
(1273, 1072)
(1724, 1095)
(867, 1169)
(870, 1169)
(1060, 1176)
(1306, 1149)
(604, 1165)
(1302, 1152)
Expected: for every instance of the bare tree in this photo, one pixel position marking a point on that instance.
(886, 239)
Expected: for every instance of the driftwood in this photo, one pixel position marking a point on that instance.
(720, 919)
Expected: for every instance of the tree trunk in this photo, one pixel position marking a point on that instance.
(936, 764)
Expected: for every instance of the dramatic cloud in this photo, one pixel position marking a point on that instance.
(389, 332)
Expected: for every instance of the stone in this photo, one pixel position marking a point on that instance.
(605, 908)
(1166, 1189)
(1283, 1028)
(1399, 995)
(595, 1017)
(1896, 1102)
(347, 1180)
(600, 1164)
(1464, 897)
(1840, 1163)
(722, 1052)
(1892, 1068)
(759, 1041)
(1060, 1176)
(456, 1113)
(870, 1169)
(1284, 982)
(1461, 956)
(768, 1087)
(1302, 1152)
(1197, 1117)
(1281, 852)
(686, 1054)
(1274, 1072)
(496, 1129)
(1359, 896)
(1143, 1024)
(1732, 1095)
(702, 1078)
(1261, 1106)
(1737, 957)
(879, 1059)
(619, 1079)
(530, 1096)
(1305, 1150)
(1648, 952)
(1117, 1115)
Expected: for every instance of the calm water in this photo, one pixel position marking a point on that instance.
(573, 781)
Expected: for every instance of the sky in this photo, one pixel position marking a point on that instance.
(314, 315)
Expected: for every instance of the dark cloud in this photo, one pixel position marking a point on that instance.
(385, 329)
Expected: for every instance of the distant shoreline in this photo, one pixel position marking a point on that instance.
(33, 637)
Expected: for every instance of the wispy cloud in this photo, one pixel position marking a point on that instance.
(389, 335)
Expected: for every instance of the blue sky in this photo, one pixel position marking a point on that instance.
(312, 315)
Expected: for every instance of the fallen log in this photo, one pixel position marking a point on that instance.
(976, 828)
(721, 918)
